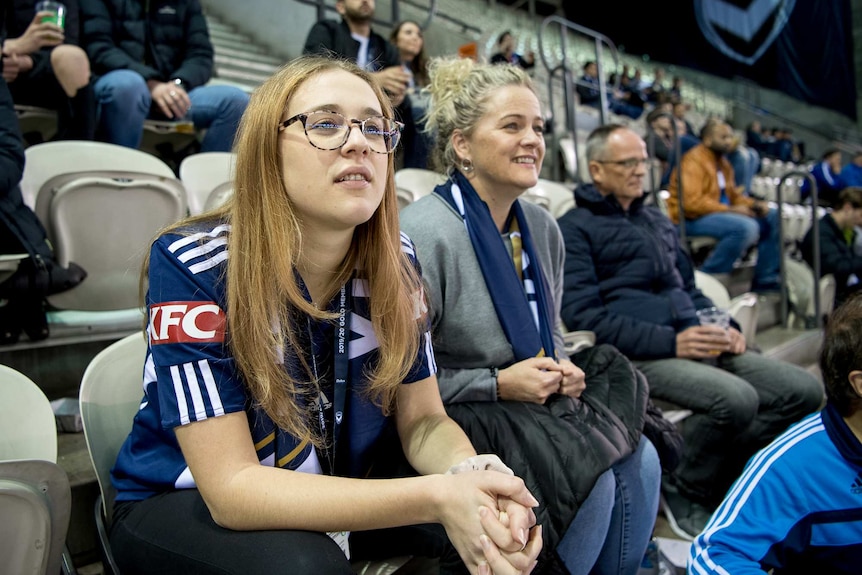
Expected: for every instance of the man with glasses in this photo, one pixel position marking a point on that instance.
(716, 207)
(627, 280)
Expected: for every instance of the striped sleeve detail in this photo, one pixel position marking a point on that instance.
(742, 492)
(196, 393)
(407, 246)
(429, 353)
(202, 251)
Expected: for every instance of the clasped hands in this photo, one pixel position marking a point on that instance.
(509, 541)
(535, 379)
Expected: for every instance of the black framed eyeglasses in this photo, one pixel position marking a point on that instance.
(329, 130)
(629, 164)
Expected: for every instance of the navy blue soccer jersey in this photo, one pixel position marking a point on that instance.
(190, 375)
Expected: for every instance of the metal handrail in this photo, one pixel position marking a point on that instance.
(322, 7)
(815, 248)
(599, 40)
(571, 117)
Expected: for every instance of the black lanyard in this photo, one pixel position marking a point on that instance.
(341, 364)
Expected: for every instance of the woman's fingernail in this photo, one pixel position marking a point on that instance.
(486, 543)
(483, 511)
(534, 501)
(484, 569)
(522, 538)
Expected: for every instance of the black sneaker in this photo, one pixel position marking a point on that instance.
(685, 517)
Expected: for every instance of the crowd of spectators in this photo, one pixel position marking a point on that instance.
(613, 266)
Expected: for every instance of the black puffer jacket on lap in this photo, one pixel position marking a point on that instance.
(559, 449)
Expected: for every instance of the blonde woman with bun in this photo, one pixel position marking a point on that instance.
(492, 265)
(289, 363)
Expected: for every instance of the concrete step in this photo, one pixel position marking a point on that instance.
(223, 62)
(241, 43)
(217, 36)
(799, 347)
(240, 76)
(248, 56)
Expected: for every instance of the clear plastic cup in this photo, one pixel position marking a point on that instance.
(716, 316)
(57, 10)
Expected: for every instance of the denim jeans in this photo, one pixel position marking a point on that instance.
(740, 404)
(746, 164)
(611, 540)
(735, 234)
(124, 103)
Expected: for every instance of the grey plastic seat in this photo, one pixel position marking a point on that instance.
(202, 173)
(35, 497)
(110, 396)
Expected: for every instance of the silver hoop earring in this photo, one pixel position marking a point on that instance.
(466, 165)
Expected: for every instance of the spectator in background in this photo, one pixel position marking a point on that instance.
(851, 174)
(827, 175)
(755, 138)
(796, 507)
(152, 61)
(354, 39)
(407, 37)
(745, 162)
(45, 67)
(588, 93)
(837, 238)
(654, 90)
(675, 90)
(715, 207)
(22, 294)
(505, 53)
(781, 147)
(679, 111)
(628, 280)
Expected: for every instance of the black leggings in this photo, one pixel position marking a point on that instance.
(174, 533)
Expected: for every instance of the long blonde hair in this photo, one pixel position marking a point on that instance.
(264, 299)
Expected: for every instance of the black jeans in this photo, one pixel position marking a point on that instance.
(174, 533)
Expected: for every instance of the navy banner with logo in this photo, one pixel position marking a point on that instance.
(803, 48)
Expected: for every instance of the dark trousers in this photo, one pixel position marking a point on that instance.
(174, 533)
(76, 116)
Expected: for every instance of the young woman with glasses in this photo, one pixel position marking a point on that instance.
(288, 347)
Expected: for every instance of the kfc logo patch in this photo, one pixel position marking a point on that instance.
(186, 322)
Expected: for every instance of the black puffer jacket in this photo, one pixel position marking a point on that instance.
(159, 39)
(559, 449)
(626, 278)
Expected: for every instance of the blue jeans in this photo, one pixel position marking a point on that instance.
(124, 103)
(612, 528)
(740, 404)
(746, 164)
(735, 234)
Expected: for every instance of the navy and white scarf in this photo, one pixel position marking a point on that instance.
(522, 300)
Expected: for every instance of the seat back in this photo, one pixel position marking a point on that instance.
(414, 183)
(202, 173)
(27, 427)
(35, 506)
(110, 396)
(712, 288)
(105, 224)
(555, 197)
(219, 196)
(45, 161)
(743, 308)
